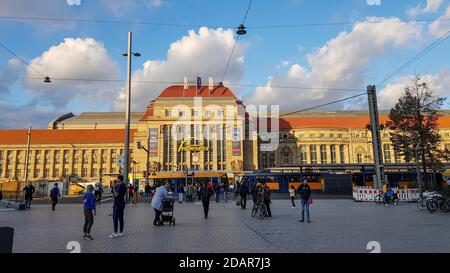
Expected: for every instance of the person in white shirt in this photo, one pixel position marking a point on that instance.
(292, 195)
(160, 194)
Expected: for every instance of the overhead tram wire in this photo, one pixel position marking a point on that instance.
(25, 62)
(101, 21)
(415, 58)
(180, 83)
(236, 38)
(325, 104)
(437, 42)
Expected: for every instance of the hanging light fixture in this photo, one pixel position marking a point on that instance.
(241, 30)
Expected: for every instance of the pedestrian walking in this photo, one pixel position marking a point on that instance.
(292, 196)
(305, 196)
(160, 193)
(217, 191)
(266, 198)
(29, 191)
(205, 194)
(243, 192)
(98, 191)
(55, 194)
(147, 190)
(130, 193)
(198, 191)
(120, 190)
(180, 190)
(89, 212)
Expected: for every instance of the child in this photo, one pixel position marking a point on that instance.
(89, 212)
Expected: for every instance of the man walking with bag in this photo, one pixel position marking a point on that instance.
(243, 192)
(305, 198)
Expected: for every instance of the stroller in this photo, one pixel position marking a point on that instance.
(167, 211)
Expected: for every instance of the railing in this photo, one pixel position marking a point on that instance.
(10, 198)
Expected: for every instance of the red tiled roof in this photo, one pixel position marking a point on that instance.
(149, 111)
(178, 91)
(80, 136)
(338, 122)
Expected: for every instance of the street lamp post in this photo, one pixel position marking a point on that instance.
(128, 109)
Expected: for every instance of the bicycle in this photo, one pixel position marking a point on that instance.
(380, 199)
(438, 202)
(422, 201)
(259, 210)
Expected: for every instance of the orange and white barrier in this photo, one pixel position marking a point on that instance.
(369, 193)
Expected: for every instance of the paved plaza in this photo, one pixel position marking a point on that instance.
(337, 226)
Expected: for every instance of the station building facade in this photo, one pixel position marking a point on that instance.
(188, 130)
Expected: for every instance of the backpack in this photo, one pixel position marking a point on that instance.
(52, 193)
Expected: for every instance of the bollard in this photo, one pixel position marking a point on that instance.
(6, 239)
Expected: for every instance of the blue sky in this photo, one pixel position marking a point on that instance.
(268, 54)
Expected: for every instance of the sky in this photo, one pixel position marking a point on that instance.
(321, 50)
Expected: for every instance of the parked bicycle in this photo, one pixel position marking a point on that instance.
(438, 202)
(425, 196)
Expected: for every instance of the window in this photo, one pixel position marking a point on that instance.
(38, 157)
(340, 135)
(84, 172)
(342, 153)
(359, 158)
(220, 112)
(181, 113)
(103, 170)
(19, 173)
(396, 156)
(313, 154)
(75, 172)
(323, 154)
(331, 135)
(333, 153)
(357, 135)
(66, 156)
(301, 135)
(8, 173)
(322, 135)
(311, 135)
(208, 113)
(56, 173)
(46, 172)
(37, 173)
(85, 156)
(65, 172)
(94, 172)
(303, 158)
(194, 113)
(168, 113)
(387, 153)
(57, 157)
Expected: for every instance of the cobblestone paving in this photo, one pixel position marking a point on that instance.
(337, 226)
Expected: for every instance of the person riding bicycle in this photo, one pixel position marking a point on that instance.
(266, 198)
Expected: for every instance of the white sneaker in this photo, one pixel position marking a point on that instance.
(114, 235)
(120, 234)
(292, 207)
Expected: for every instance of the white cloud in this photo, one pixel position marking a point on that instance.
(440, 27)
(201, 54)
(389, 95)
(73, 59)
(8, 75)
(431, 6)
(340, 63)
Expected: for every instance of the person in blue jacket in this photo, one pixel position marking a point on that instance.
(55, 194)
(89, 212)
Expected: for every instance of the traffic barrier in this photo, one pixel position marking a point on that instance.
(368, 194)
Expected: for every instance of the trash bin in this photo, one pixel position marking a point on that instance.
(6, 239)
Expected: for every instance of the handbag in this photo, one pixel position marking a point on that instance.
(310, 200)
